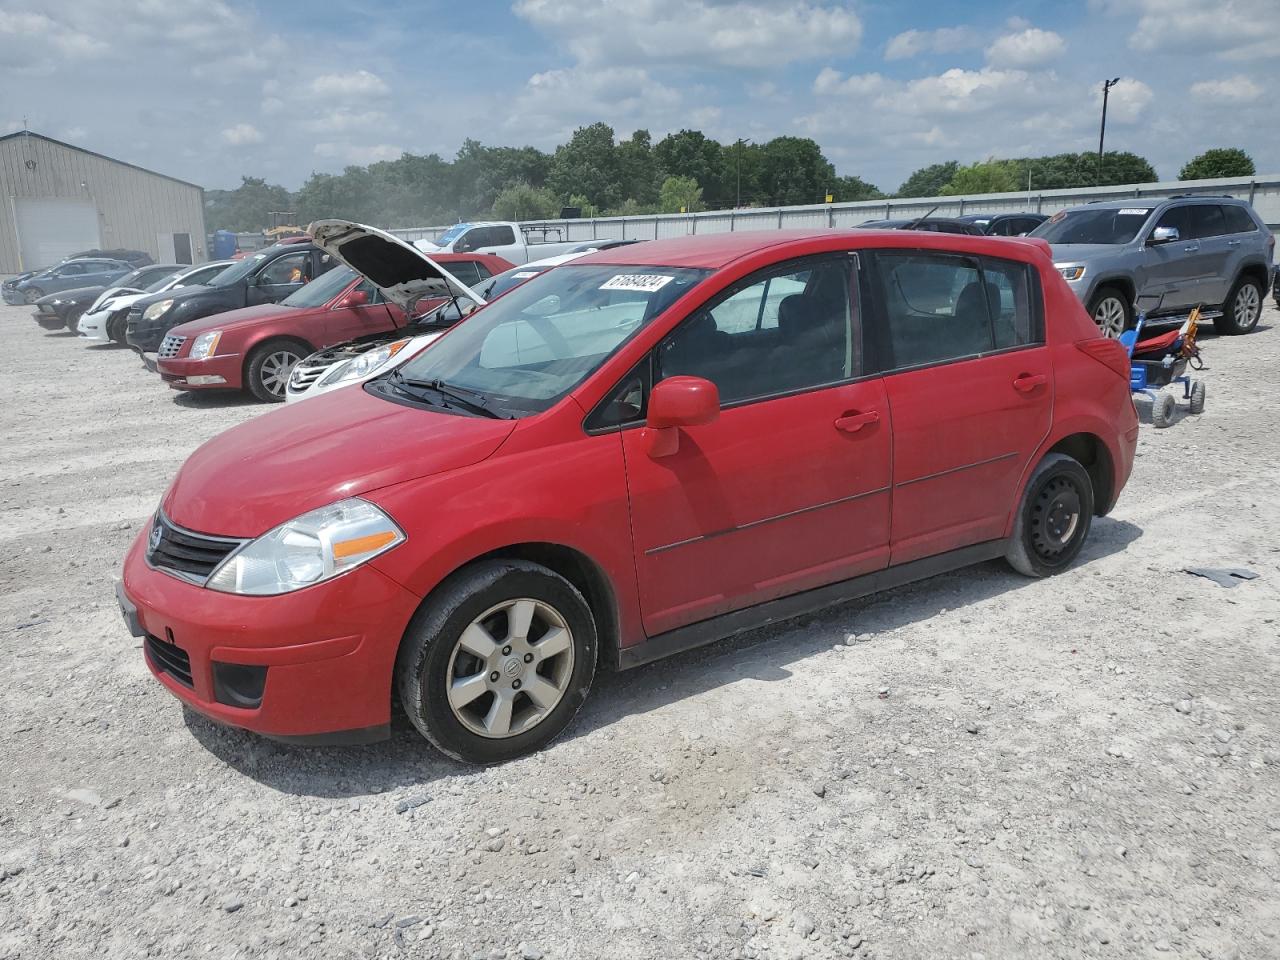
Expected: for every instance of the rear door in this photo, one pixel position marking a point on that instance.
(789, 488)
(960, 342)
(1209, 227)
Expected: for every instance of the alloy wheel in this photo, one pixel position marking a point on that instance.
(275, 371)
(1247, 308)
(510, 668)
(1110, 318)
(1055, 518)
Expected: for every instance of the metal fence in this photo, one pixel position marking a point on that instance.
(1261, 191)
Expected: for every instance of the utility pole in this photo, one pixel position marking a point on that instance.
(738, 201)
(1102, 134)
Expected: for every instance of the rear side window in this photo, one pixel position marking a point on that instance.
(1238, 219)
(935, 308)
(1207, 221)
(464, 270)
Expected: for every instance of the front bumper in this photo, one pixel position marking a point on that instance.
(328, 651)
(94, 325)
(13, 297)
(145, 336)
(49, 321)
(215, 373)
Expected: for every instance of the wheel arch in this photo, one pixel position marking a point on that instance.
(1254, 270)
(1089, 450)
(267, 339)
(1119, 280)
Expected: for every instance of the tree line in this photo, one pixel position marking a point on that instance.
(686, 171)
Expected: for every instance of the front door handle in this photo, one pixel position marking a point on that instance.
(1029, 381)
(1191, 249)
(853, 422)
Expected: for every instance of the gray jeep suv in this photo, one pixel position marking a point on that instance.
(1175, 253)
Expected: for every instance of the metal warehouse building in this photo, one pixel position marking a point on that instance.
(59, 199)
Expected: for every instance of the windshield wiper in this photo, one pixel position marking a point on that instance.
(476, 402)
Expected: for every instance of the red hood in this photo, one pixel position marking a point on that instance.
(244, 316)
(274, 467)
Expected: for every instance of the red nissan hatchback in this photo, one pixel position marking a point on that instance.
(645, 450)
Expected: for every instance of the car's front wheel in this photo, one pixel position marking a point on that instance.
(32, 294)
(267, 372)
(1111, 312)
(1242, 308)
(497, 661)
(1053, 519)
(73, 321)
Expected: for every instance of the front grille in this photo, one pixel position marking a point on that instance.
(47, 308)
(170, 659)
(134, 318)
(304, 374)
(170, 345)
(190, 556)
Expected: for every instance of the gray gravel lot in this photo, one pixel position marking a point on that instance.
(975, 766)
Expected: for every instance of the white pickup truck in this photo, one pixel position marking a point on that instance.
(511, 241)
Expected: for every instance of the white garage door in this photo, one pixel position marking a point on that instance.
(49, 230)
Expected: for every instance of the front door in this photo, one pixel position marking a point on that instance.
(281, 277)
(970, 388)
(342, 323)
(789, 488)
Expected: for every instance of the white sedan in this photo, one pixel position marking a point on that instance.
(104, 320)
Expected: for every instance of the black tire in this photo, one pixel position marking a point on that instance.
(262, 372)
(1103, 306)
(32, 294)
(1241, 309)
(425, 666)
(1196, 404)
(73, 321)
(1053, 519)
(1163, 407)
(116, 328)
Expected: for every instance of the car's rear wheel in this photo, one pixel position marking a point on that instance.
(269, 366)
(1053, 519)
(32, 294)
(1111, 312)
(1242, 308)
(497, 661)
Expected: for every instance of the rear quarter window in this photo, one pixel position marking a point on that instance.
(1238, 219)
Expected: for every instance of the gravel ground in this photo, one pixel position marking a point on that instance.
(975, 766)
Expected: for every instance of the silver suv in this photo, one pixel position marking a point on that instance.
(1173, 254)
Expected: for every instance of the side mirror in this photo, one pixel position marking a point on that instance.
(1164, 235)
(356, 298)
(678, 402)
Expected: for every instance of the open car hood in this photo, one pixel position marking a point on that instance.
(403, 273)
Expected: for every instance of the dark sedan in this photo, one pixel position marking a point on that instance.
(1005, 224)
(59, 311)
(928, 224)
(267, 276)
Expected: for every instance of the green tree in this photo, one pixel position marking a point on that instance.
(689, 153)
(351, 195)
(681, 195)
(246, 207)
(520, 201)
(991, 176)
(1068, 170)
(848, 189)
(585, 206)
(638, 167)
(1219, 162)
(480, 173)
(793, 170)
(588, 164)
(929, 181)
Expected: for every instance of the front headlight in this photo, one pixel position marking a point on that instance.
(309, 549)
(363, 365)
(157, 310)
(1070, 274)
(205, 345)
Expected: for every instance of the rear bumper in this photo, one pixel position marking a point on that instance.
(325, 654)
(215, 373)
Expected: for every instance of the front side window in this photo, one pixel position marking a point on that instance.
(942, 307)
(526, 350)
(791, 329)
(291, 268)
(71, 270)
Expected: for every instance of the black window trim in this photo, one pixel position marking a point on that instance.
(880, 325)
(750, 280)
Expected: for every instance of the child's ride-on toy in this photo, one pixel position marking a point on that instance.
(1162, 361)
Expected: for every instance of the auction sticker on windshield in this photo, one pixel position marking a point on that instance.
(644, 282)
(1134, 211)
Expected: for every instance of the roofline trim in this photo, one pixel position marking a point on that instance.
(100, 156)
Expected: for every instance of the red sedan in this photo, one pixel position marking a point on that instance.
(628, 456)
(255, 348)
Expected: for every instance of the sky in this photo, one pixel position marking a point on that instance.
(208, 90)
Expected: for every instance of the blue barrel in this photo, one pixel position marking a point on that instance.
(224, 244)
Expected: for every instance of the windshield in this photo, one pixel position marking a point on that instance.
(160, 284)
(130, 279)
(1105, 225)
(238, 271)
(450, 235)
(530, 348)
(322, 289)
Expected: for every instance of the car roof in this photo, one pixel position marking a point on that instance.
(715, 250)
(1154, 202)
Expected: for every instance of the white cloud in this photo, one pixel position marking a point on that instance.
(1031, 47)
(344, 120)
(242, 134)
(833, 82)
(555, 102)
(967, 91)
(1127, 101)
(358, 83)
(740, 33)
(1231, 29)
(358, 153)
(911, 43)
(1237, 89)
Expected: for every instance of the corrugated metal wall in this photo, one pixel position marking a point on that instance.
(1262, 191)
(133, 205)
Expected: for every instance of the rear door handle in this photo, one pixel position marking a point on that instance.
(1233, 243)
(853, 422)
(1029, 381)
